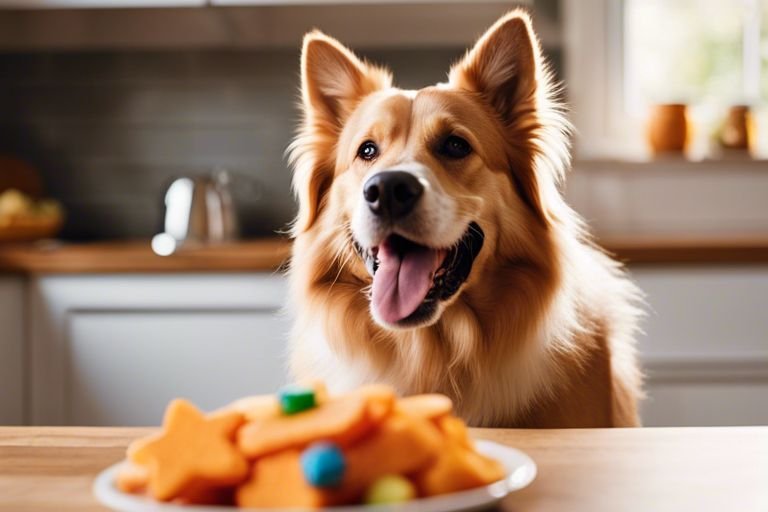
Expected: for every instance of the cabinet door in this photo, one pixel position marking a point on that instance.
(705, 345)
(113, 350)
(12, 318)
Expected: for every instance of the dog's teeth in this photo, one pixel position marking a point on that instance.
(371, 263)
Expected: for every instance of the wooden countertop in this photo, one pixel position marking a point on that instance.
(270, 253)
(136, 256)
(702, 469)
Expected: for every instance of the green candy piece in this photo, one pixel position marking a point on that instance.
(295, 399)
(390, 489)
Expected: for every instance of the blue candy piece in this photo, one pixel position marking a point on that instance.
(323, 465)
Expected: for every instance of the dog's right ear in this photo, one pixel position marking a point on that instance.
(333, 82)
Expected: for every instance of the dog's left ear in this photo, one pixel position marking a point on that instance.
(502, 66)
(505, 70)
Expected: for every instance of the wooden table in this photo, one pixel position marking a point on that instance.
(686, 469)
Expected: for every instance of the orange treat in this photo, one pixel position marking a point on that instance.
(458, 469)
(132, 478)
(253, 407)
(191, 449)
(277, 480)
(429, 406)
(342, 420)
(260, 406)
(455, 430)
(401, 444)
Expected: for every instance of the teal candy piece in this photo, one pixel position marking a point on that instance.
(390, 489)
(294, 399)
(323, 465)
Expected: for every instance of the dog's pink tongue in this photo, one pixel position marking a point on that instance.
(400, 284)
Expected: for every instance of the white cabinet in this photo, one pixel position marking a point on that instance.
(705, 346)
(113, 350)
(12, 323)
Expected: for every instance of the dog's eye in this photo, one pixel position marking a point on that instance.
(368, 150)
(455, 147)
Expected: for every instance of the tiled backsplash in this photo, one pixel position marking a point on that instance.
(108, 130)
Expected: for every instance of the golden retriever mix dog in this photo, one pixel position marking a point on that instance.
(433, 250)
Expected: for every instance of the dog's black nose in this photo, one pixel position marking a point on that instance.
(392, 194)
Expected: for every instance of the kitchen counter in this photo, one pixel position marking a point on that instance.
(269, 254)
(136, 256)
(702, 469)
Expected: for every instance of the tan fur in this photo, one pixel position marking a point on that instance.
(542, 332)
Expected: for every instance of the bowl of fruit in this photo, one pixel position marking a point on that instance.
(25, 214)
(23, 218)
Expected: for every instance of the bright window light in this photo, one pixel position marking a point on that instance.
(695, 52)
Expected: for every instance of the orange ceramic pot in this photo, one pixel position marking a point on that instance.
(668, 130)
(737, 131)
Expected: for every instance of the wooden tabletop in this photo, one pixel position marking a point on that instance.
(702, 469)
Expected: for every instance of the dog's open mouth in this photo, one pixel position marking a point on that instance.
(410, 279)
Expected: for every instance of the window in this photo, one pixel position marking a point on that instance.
(624, 55)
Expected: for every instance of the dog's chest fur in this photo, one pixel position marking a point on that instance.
(492, 393)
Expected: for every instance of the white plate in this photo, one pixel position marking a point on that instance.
(521, 470)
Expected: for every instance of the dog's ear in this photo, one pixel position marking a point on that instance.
(502, 66)
(333, 82)
(505, 69)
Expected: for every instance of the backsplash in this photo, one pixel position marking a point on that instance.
(108, 130)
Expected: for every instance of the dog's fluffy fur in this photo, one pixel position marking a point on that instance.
(541, 334)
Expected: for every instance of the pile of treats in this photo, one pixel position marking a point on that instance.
(305, 449)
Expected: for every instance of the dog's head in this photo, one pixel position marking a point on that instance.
(427, 187)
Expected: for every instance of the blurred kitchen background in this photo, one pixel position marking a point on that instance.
(105, 104)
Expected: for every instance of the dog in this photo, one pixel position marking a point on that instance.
(433, 250)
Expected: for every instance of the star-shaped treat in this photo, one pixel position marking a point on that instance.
(192, 450)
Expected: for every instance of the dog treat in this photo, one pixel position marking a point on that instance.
(192, 449)
(456, 431)
(401, 444)
(342, 420)
(390, 489)
(458, 467)
(277, 480)
(305, 449)
(132, 478)
(426, 406)
(260, 406)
